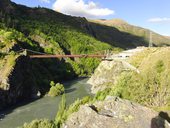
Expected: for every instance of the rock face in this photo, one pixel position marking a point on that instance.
(107, 72)
(19, 83)
(115, 113)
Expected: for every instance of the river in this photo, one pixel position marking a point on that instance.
(43, 108)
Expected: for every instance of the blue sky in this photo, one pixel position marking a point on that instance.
(151, 14)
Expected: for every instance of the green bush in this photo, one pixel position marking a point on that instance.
(101, 95)
(52, 83)
(43, 123)
(56, 89)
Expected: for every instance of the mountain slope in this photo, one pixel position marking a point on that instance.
(31, 20)
(158, 40)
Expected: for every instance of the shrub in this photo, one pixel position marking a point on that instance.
(101, 95)
(43, 123)
(56, 89)
(59, 119)
(52, 83)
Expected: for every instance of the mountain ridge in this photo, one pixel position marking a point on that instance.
(117, 31)
(121, 25)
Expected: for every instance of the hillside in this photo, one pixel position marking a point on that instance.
(33, 21)
(123, 26)
(168, 37)
(46, 31)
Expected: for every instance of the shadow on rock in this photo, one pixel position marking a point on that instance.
(161, 121)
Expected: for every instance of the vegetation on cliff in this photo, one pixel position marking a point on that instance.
(151, 86)
(43, 123)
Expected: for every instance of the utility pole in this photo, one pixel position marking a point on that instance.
(150, 40)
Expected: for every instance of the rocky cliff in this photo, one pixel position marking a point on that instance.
(108, 71)
(116, 113)
(18, 84)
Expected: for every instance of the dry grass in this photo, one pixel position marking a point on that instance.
(7, 65)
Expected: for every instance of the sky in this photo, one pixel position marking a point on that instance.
(151, 14)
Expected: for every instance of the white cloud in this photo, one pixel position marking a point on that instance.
(159, 20)
(80, 8)
(45, 1)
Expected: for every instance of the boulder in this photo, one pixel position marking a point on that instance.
(114, 112)
(106, 73)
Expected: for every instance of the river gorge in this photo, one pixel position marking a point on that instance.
(45, 107)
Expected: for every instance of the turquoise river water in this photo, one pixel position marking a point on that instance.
(43, 108)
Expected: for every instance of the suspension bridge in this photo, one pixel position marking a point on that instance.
(106, 56)
(123, 56)
(34, 54)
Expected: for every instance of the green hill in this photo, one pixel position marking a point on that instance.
(144, 34)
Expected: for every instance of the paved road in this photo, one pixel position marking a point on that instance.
(126, 54)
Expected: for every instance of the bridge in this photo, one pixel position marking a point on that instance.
(107, 56)
(123, 56)
(35, 54)
(68, 56)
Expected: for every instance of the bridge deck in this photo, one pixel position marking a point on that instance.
(67, 56)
